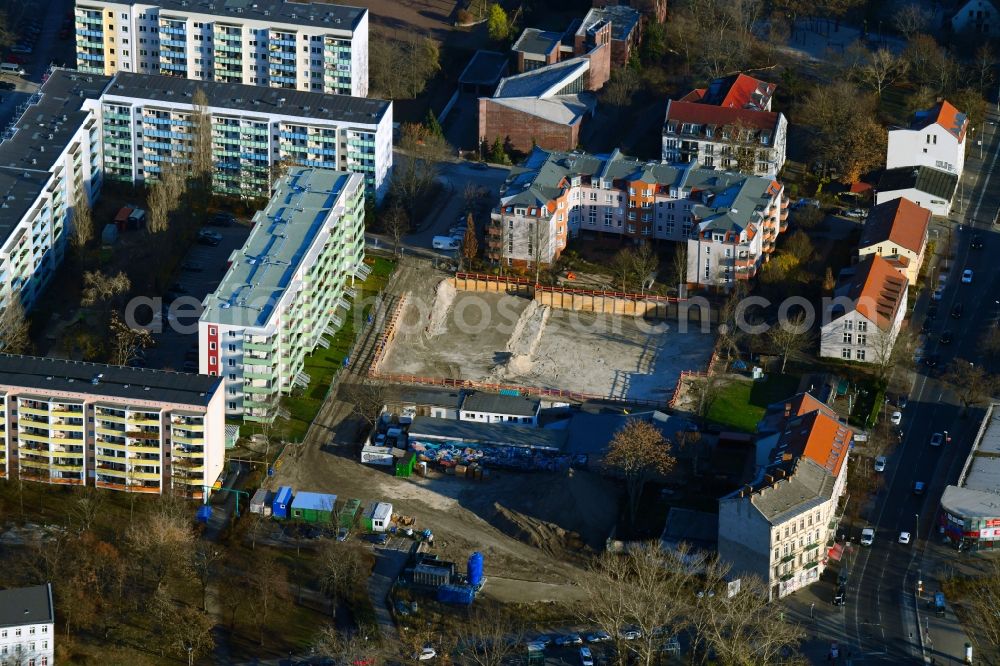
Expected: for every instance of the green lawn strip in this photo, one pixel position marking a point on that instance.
(741, 404)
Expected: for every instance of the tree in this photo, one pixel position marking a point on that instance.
(204, 563)
(433, 126)
(679, 265)
(470, 245)
(972, 104)
(800, 246)
(83, 220)
(846, 138)
(367, 398)
(881, 69)
(182, 631)
(639, 453)
(621, 267)
(163, 540)
(491, 635)
(202, 163)
(497, 155)
(164, 197)
(985, 61)
(497, 23)
(103, 290)
(645, 265)
(705, 390)
(911, 18)
(396, 223)
(340, 570)
(348, 648)
(126, 341)
(88, 507)
(654, 42)
(400, 69)
(808, 217)
(889, 350)
(15, 329)
(789, 338)
(620, 88)
(829, 283)
(981, 600)
(972, 383)
(415, 171)
(269, 581)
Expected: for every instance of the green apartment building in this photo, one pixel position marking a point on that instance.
(286, 290)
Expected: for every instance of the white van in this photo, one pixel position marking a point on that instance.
(11, 68)
(444, 243)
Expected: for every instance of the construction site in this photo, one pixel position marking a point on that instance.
(500, 338)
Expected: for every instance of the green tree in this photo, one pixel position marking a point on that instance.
(433, 126)
(654, 43)
(498, 23)
(497, 154)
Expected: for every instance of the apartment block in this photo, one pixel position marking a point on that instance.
(285, 290)
(50, 155)
(729, 221)
(275, 43)
(119, 428)
(149, 120)
(781, 527)
(27, 626)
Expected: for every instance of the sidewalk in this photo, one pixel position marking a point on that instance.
(943, 637)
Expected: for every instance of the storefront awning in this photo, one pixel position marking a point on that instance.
(835, 552)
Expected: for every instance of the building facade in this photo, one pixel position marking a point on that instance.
(970, 514)
(280, 44)
(978, 17)
(897, 231)
(285, 290)
(27, 626)
(935, 139)
(927, 187)
(866, 314)
(780, 526)
(150, 122)
(498, 408)
(729, 221)
(50, 158)
(130, 429)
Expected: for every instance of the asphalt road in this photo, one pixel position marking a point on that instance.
(881, 621)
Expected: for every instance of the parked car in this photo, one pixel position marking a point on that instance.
(931, 360)
(896, 418)
(967, 276)
(932, 311)
(802, 203)
(938, 294)
(569, 639)
(586, 658)
(918, 487)
(867, 536)
(222, 220)
(904, 538)
(598, 637)
(481, 166)
(857, 213)
(630, 633)
(342, 534)
(937, 439)
(208, 233)
(20, 48)
(840, 596)
(426, 653)
(880, 463)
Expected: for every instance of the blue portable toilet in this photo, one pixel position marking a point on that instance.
(204, 513)
(282, 502)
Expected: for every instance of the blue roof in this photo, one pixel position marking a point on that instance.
(314, 501)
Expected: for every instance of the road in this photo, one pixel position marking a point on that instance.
(883, 621)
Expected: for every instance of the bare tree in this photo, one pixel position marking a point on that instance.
(889, 350)
(164, 197)
(126, 341)
(396, 223)
(623, 84)
(15, 329)
(83, 220)
(348, 648)
(202, 163)
(705, 390)
(163, 539)
(269, 581)
(881, 69)
(645, 264)
(679, 265)
(790, 337)
(981, 601)
(367, 398)
(88, 506)
(414, 173)
(340, 570)
(622, 267)
(911, 18)
(972, 383)
(985, 61)
(102, 289)
(639, 453)
(490, 635)
(204, 562)
(470, 245)
(607, 603)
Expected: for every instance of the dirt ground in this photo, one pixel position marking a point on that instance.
(507, 339)
(534, 530)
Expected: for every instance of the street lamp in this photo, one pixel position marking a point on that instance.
(190, 649)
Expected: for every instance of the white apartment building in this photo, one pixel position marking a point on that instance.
(131, 429)
(276, 43)
(285, 290)
(864, 317)
(27, 626)
(147, 124)
(729, 221)
(935, 138)
(779, 527)
(49, 155)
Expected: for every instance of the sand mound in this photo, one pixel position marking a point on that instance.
(443, 300)
(547, 537)
(523, 342)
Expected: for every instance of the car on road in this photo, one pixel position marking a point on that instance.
(956, 312)
(7, 85)
(896, 418)
(937, 439)
(209, 240)
(927, 326)
(938, 294)
(857, 213)
(967, 276)
(569, 639)
(840, 596)
(834, 651)
(976, 243)
(586, 657)
(946, 337)
(902, 401)
(222, 220)
(426, 653)
(932, 311)
(598, 637)
(931, 360)
(918, 487)
(904, 538)
(867, 536)
(879, 463)
(803, 203)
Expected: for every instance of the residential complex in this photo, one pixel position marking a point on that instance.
(729, 221)
(729, 126)
(285, 289)
(780, 526)
(50, 157)
(27, 626)
(149, 121)
(866, 314)
(307, 47)
(132, 429)
(897, 231)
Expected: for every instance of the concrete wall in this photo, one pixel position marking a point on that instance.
(496, 120)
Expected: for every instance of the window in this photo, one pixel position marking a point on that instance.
(211, 360)
(232, 405)
(848, 325)
(211, 345)
(212, 330)
(847, 338)
(862, 326)
(232, 348)
(232, 363)
(845, 353)
(861, 354)
(862, 339)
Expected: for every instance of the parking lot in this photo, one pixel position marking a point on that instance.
(198, 275)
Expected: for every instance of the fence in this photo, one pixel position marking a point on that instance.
(685, 374)
(388, 335)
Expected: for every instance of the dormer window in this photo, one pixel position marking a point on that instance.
(709, 131)
(718, 238)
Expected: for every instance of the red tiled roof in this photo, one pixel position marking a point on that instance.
(899, 221)
(876, 288)
(820, 438)
(705, 114)
(741, 92)
(945, 115)
(694, 96)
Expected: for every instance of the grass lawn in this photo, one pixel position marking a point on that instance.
(741, 404)
(323, 364)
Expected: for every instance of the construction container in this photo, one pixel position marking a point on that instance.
(313, 507)
(432, 575)
(261, 501)
(378, 517)
(475, 570)
(281, 503)
(348, 514)
(461, 470)
(456, 594)
(404, 466)
(204, 514)
(377, 455)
